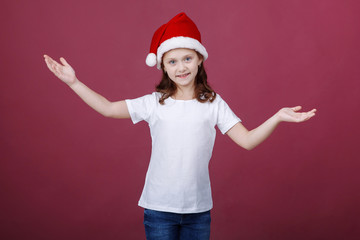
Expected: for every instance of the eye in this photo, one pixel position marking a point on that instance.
(188, 59)
(172, 62)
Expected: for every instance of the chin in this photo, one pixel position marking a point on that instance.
(185, 84)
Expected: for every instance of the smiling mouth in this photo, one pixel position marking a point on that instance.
(183, 75)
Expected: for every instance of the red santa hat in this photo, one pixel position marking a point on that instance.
(179, 32)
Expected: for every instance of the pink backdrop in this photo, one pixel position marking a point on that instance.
(68, 173)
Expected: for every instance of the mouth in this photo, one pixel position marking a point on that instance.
(183, 75)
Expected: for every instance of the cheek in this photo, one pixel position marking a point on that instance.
(196, 70)
(170, 75)
(167, 69)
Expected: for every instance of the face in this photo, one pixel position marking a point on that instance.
(181, 65)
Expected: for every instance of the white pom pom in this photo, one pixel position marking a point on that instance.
(151, 60)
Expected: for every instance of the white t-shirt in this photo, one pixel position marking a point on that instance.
(183, 135)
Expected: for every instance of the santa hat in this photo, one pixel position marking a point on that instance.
(179, 32)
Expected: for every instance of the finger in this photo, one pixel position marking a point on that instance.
(297, 108)
(50, 61)
(313, 111)
(47, 57)
(57, 67)
(49, 66)
(309, 115)
(54, 66)
(63, 61)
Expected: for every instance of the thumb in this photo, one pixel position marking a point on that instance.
(63, 61)
(297, 108)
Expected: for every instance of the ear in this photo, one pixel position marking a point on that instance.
(201, 59)
(163, 66)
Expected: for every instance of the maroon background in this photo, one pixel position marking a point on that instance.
(68, 173)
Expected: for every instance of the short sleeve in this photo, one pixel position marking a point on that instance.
(142, 107)
(226, 118)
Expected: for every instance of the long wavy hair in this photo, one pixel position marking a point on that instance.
(203, 91)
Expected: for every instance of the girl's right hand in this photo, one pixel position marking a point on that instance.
(64, 72)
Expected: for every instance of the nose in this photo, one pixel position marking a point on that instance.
(182, 67)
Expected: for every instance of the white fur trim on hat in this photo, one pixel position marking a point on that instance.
(179, 42)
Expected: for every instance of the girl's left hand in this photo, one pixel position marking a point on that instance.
(292, 114)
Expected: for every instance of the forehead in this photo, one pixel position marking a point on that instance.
(178, 53)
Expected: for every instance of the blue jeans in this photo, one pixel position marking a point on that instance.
(175, 226)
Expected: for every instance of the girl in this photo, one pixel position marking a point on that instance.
(182, 115)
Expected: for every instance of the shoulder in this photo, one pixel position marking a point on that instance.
(219, 102)
(156, 95)
(142, 107)
(148, 97)
(218, 99)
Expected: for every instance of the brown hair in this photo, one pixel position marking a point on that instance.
(203, 91)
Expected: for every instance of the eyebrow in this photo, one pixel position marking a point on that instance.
(187, 55)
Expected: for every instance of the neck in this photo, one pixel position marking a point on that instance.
(184, 93)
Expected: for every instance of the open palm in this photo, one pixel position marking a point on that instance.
(292, 114)
(64, 72)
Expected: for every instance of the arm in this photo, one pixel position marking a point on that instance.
(250, 139)
(100, 104)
